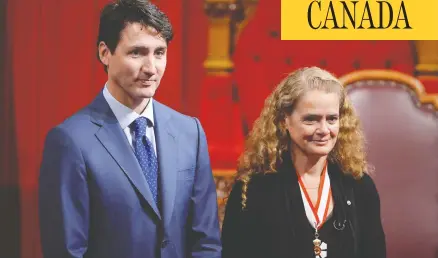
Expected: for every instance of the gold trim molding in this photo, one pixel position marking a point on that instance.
(391, 75)
(224, 172)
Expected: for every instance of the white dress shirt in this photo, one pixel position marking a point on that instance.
(126, 116)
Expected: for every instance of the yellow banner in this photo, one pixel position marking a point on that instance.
(359, 20)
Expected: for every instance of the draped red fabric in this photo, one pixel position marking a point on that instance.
(195, 49)
(54, 73)
(220, 116)
(9, 188)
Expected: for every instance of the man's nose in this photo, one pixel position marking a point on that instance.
(149, 66)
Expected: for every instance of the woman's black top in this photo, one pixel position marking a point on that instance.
(274, 223)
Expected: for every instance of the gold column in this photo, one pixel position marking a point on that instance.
(427, 55)
(227, 20)
(223, 15)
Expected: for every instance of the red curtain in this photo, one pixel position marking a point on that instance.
(54, 73)
(9, 188)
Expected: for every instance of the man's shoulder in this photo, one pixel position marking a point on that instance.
(76, 125)
(178, 119)
(164, 108)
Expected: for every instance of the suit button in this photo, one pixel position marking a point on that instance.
(164, 243)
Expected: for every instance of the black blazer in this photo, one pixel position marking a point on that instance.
(274, 223)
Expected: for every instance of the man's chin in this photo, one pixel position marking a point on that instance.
(146, 93)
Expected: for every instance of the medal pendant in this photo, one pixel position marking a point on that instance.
(317, 246)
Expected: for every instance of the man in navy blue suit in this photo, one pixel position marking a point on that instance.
(128, 177)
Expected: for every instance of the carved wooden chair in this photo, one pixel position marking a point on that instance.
(400, 122)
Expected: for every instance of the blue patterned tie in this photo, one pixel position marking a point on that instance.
(144, 151)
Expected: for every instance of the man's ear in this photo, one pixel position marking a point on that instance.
(104, 53)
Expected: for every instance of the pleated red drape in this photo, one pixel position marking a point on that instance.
(9, 190)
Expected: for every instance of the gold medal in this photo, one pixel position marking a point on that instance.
(317, 243)
(317, 246)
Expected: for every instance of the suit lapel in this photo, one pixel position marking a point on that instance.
(167, 158)
(115, 142)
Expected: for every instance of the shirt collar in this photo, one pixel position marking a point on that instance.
(125, 115)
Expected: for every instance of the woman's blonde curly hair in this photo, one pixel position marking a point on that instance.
(269, 138)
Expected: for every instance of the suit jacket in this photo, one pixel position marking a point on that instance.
(274, 223)
(95, 202)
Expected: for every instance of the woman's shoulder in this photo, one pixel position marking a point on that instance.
(258, 182)
(365, 183)
(366, 191)
(258, 187)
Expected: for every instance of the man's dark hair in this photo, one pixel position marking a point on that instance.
(116, 15)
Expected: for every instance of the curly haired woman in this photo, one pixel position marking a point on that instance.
(302, 190)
